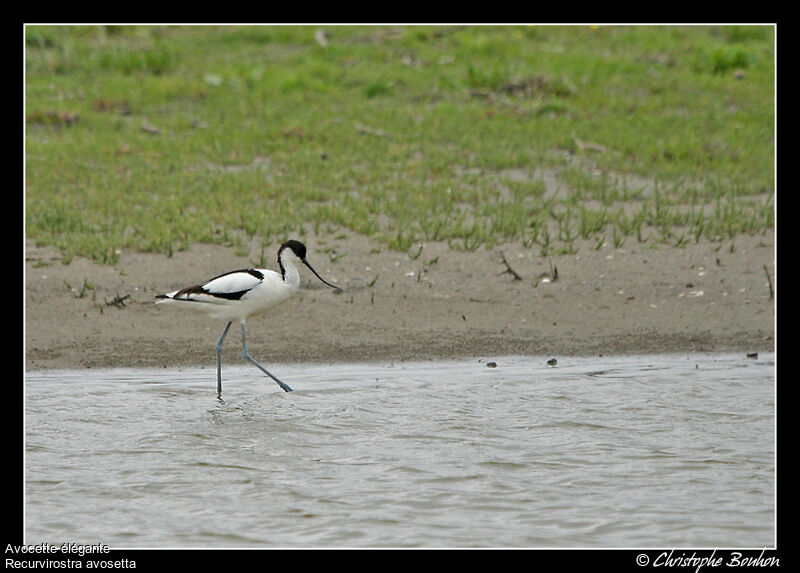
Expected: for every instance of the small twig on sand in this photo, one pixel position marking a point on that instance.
(509, 270)
(546, 277)
(118, 301)
(769, 282)
(553, 270)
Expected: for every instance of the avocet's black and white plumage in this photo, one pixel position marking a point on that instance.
(240, 294)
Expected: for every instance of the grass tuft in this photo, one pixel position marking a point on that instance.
(152, 138)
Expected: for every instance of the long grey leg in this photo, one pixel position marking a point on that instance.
(219, 360)
(264, 370)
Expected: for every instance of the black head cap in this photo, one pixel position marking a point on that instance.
(299, 249)
(296, 246)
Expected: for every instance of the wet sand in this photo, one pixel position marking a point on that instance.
(636, 299)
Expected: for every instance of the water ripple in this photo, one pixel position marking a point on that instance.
(617, 451)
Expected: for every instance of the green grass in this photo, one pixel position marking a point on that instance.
(153, 138)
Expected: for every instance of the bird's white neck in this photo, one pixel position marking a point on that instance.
(291, 276)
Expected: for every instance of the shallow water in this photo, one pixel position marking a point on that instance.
(646, 451)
